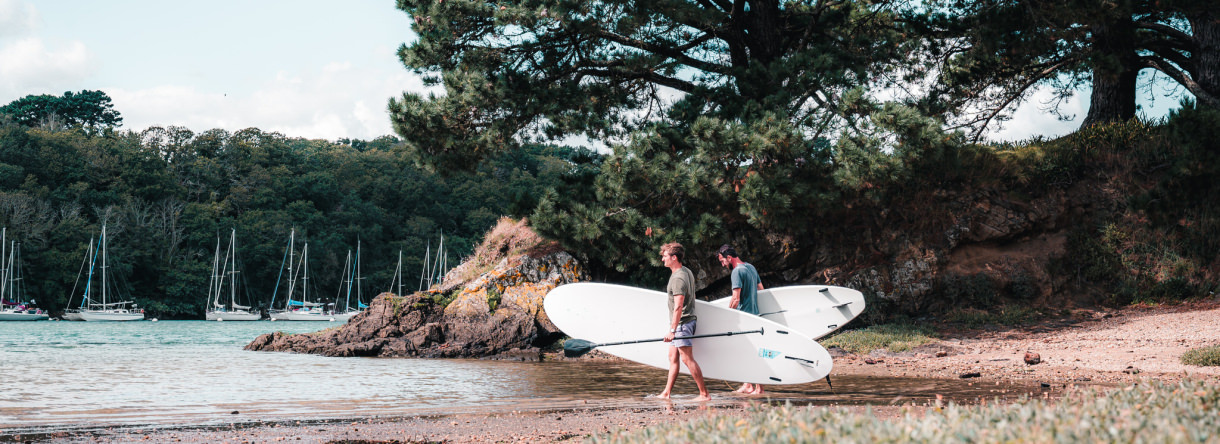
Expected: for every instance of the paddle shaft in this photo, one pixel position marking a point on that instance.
(709, 335)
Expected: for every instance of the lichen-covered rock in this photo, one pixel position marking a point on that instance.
(499, 313)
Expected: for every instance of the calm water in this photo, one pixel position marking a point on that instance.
(65, 375)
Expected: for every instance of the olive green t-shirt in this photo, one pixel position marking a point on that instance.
(682, 282)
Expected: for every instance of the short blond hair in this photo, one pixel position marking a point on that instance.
(674, 249)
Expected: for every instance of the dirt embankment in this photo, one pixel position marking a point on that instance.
(1120, 346)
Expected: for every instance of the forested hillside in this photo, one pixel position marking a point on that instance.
(167, 194)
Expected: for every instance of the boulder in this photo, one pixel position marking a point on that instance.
(499, 313)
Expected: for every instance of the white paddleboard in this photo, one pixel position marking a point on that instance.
(604, 313)
(814, 310)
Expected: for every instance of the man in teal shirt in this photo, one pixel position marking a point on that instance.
(746, 284)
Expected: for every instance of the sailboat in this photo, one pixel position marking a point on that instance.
(223, 271)
(351, 275)
(13, 306)
(298, 309)
(396, 282)
(92, 310)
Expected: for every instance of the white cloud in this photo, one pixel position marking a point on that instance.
(27, 64)
(17, 18)
(1034, 117)
(330, 102)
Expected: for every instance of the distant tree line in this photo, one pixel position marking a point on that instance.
(166, 194)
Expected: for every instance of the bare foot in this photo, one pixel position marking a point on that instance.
(745, 388)
(660, 396)
(703, 398)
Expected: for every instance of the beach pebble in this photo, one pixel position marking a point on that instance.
(1032, 358)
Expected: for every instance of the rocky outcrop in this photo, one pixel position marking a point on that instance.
(498, 314)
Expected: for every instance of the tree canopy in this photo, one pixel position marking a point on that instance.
(86, 109)
(748, 120)
(166, 194)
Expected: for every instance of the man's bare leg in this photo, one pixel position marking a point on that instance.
(688, 358)
(673, 373)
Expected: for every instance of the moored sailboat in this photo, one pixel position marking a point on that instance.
(224, 273)
(93, 310)
(351, 273)
(13, 305)
(298, 309)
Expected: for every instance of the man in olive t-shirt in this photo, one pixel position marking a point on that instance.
(681, 292)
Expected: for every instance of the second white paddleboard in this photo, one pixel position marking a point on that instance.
(604, 313)
(815, 310)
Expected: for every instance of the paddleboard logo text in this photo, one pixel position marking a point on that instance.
(769, 354)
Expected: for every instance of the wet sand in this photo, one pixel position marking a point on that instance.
(1089, 347)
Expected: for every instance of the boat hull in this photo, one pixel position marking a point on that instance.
(233, 316)
(293, 316)
(22, 316)
(110, 316)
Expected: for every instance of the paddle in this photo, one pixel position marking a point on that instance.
(575, 348)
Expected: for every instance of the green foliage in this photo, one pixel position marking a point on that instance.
(1206, 356)
(975, 290)
(1153, 412)
(442, 299)
(1008, 315)
(553, 68)
(166, 194)
(493, 300)
(893, 337)
(91, 110)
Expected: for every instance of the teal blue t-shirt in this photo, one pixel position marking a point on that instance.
(746, 278)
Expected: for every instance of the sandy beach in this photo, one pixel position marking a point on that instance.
(1093, 347)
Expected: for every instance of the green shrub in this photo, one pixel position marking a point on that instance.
(1188, 411)
(1207, 356)
(893, 337)
(1007, 315)
(493, 300)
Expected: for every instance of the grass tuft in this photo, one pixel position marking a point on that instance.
(1206, 356)
(1188, 411)
(893, 337)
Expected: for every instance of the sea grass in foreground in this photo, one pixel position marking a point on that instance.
(1187, 411)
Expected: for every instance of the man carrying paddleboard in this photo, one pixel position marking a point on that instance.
(746, 284)
(681, 291)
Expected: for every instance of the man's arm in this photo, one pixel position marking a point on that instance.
(679, 299)
(736, 298)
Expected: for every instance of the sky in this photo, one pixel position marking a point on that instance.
(319, 69)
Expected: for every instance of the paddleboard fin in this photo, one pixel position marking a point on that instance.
(841, 305)
(803, 361)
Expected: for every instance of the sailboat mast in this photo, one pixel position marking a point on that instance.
(233, 270)
(423, 274)
(3, 268)
(348, 266)
(305, 279)
(104, 260)
(292, 277)
(214, 282)
(359, 294)
(92, 255)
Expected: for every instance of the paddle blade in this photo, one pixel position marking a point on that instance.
(575, 348)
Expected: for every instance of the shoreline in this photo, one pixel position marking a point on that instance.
(1091, 348)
